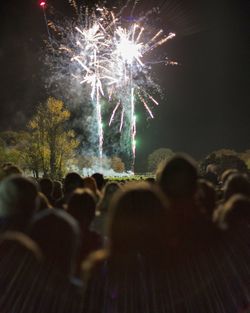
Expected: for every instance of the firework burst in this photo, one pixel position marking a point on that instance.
(128, 75)
(109, 59)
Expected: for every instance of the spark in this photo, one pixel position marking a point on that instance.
(155, 36)
(146, 106)
(42, 4)
(113, 113)
(133, 126)
(122, 120)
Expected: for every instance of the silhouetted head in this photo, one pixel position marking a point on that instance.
(108, 193)
(81, 205)
(43, 202)
(57, 234)
(150, 180)
(138, 216)
(90, 183)
(178, 178)
(20, 261)
(99, 180)
(237, 183)
(72, 181)
(57, 190)
(227, 173)
(235, 211)
(18, 200)
(20, 244)
(212, 168)
(11, 169)
(46, 186)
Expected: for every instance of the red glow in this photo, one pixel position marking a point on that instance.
(42, 4)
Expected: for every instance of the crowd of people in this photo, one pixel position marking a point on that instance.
(177, 243)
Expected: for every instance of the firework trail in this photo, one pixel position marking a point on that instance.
(81, 47)
(129, 75)
(108, 58)
(90, 60)
(43, 6)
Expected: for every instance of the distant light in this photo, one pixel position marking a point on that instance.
(42, 4)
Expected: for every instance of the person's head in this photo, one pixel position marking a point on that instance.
(43, 202)
(18, 200)
(20, 259)
(11, 169)
(57, 190)
(21, 244)
(150, 180)
(237, 183)
(226, 174)
(235, 211)
(46, 186)
(178, 178)
(99, 180)
(90, 183)
(108, 193)
(137, 220)
(81, 205)
(57, 234)
(212, 168)
(72, 181)
(207, 196)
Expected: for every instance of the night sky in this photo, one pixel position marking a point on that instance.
(206, 104)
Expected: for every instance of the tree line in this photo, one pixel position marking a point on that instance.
(47, 147)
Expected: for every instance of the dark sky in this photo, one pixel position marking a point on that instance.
(206, 106)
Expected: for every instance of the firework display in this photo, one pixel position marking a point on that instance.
(108, 57)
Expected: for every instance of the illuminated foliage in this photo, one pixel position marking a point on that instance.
(157, 157)
(117, 165)
(52, 146)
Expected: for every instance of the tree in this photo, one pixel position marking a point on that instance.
(157, 157)
(10, 144)
(224, 152)
(52, 147)
(117, 164)
(223, 162)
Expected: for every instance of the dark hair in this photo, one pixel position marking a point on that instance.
(72, 181)
(57, 190)
(81, 205)
(90, 183)
(98, 177)
(150, 180)
(43, 202)
(234, 211)
(46, 186)
(178, 178)
(237, 183)
(19, 242)
(137, 216)
(18, 197)
(109, 190)
(11, 169)
(227, 173)
(136, 228)
(57, 234)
